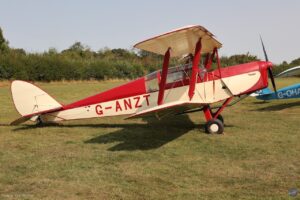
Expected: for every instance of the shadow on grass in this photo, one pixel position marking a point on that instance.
(152, 135)
(4, 125)
(134, 136)
(278, 107)
(261, 102)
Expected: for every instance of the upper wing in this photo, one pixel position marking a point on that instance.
(295, 71)
(182, 41)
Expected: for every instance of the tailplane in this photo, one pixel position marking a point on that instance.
(265, 91)
(262, 92)
(31, 101)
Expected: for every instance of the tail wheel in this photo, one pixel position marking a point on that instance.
(214, 126)
(39, 121)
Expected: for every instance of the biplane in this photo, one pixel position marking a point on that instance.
(289, 92)
(194, 85)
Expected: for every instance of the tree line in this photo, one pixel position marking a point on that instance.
(79, 62)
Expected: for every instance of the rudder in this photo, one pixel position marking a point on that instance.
(29, 99)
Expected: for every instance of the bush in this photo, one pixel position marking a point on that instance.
(80, 63)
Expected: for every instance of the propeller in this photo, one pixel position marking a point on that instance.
(269, 68)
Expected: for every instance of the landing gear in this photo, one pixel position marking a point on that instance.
(214, 126)
(215, 121)
(220, 117)
(39, 121)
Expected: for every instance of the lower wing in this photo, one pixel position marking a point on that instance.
(167, 109)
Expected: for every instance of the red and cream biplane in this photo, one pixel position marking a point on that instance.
(185, 88)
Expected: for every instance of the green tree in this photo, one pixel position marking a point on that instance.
(79, 50)
(295, 62)
(3, 42)
(237, 59)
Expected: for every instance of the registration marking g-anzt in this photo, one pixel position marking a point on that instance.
(130, 104)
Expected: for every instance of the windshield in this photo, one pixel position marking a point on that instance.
(177, 76)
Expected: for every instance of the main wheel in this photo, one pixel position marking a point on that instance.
(214, 126)
(220, 117)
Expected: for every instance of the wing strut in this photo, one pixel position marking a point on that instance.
(219, 63)
(163, 80)
(195, 69)
(210, 58)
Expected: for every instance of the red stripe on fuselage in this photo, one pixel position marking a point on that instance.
(133, 88)
(238, 69)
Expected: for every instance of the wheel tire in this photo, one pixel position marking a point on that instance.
(39, 121)
(220, 117)
(214, 126)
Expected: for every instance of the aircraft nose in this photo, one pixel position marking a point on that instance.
(270, 64)
(267, 65)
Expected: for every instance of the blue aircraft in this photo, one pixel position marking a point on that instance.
(292, 91)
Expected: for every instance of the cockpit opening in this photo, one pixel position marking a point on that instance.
(177, 76)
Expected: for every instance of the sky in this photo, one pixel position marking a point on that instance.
(37, 25)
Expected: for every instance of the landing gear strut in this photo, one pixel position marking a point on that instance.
(215, 121)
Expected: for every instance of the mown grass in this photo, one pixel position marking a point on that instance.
(258, 157)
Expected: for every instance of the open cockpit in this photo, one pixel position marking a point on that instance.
(177, 76)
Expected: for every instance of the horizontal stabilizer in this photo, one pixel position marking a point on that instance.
(32, 116)
(20, 120)
(265, 91)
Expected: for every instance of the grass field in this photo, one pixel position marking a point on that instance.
(258, 157)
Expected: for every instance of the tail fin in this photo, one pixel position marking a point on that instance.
(30, 100)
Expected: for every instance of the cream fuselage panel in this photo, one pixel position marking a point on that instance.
(205, 93)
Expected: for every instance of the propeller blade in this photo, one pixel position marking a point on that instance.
(264, 49)
(269, 69)
(272, 79)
